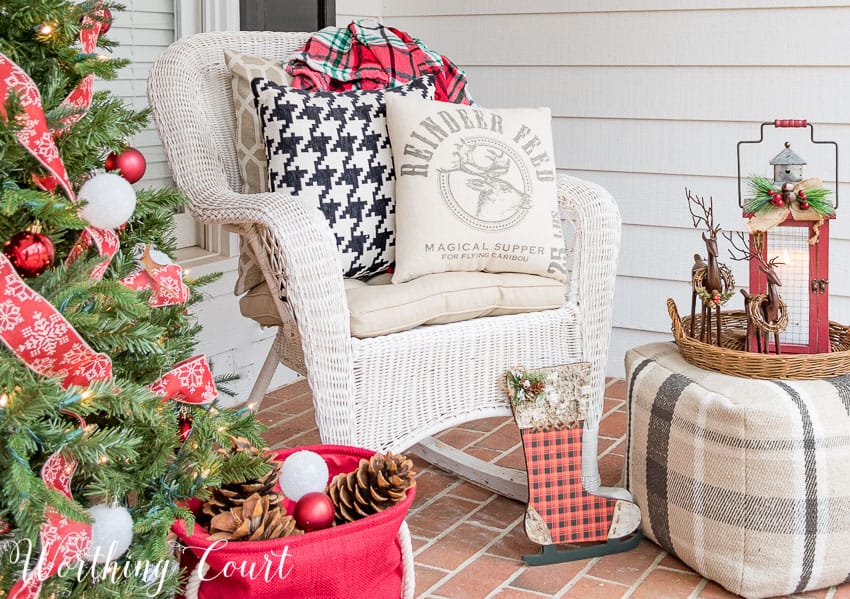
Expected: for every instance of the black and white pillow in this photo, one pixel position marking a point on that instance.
(332, 150)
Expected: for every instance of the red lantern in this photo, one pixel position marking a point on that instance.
(796, 234)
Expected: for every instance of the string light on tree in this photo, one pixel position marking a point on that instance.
(46, 30)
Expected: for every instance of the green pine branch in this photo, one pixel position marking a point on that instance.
(129, 449)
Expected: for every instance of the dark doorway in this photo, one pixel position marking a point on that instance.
(286, 15)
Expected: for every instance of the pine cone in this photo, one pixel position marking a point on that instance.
(259, 518)
(234, 495)
(378, 483)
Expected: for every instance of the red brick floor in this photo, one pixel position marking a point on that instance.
(468, 542)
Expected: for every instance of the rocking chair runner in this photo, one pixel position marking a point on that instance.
(393, 391)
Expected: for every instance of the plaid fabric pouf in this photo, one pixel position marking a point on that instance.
(746, 481)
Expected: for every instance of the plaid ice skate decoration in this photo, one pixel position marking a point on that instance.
(555, 491)
(332, 151)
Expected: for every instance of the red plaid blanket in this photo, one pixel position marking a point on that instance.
(368, 55)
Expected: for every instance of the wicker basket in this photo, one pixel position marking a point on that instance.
(732, 359)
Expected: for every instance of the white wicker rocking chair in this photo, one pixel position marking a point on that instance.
(394, 391)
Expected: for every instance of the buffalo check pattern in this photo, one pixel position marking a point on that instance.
(555, 490)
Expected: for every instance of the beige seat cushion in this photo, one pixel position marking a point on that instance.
(378, 307)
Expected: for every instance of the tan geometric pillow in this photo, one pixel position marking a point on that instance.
(475, 190)
(250, 148)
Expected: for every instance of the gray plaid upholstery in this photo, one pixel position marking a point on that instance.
(746, 481)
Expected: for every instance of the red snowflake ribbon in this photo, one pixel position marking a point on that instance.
(34, 136)
(166, 282)
(41, 337)
(81, 96)
(105, 241)
(62, 541)
(190, 382)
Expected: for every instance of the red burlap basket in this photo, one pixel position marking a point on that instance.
(361, 559)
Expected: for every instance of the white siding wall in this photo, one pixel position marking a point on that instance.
(349, 10)
(144, 30)
(650, 96)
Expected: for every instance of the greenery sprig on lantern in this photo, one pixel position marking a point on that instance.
(766, 195)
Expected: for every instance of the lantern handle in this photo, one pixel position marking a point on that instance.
(783, 123)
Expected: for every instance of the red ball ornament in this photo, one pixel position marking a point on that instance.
(801, 194)
(130, 163)
(314, 511)
(185, 424)
(105, 20)
(716, 299)
(778, 201)
(804, 205)
(29, 252)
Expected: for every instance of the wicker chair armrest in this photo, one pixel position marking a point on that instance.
(189, 93)
(596, 218)
(302, 257)
(302, 251)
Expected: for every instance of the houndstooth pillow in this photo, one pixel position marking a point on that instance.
(332, 150)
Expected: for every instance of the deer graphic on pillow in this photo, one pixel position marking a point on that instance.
(498, 198)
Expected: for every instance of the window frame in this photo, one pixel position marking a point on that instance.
(216, 248)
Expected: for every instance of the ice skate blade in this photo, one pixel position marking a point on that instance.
(549, 554)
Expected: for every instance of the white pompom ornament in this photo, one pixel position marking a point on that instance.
(111, 533)
(303, 472)
(110, 199)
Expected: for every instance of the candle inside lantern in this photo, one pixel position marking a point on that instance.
(791, 245)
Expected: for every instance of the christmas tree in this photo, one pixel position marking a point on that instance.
(108, 425)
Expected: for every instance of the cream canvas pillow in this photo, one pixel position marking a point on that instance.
(475, 190)
(250, 147)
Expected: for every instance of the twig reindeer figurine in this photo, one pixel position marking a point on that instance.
(766, 312)
(710, 280)
(697, 272)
